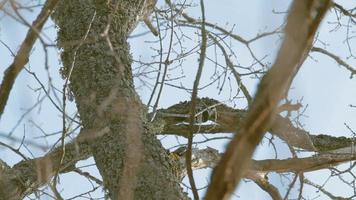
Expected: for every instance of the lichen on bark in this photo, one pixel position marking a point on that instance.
(130, 159)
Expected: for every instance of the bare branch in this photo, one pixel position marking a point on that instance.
(209, 157)
(227, 119)
(343, 10)
(303, 21)
(23, 54)
(336, 58)
(331, 196)
(28, 175)
(193, 104)
(263, 183)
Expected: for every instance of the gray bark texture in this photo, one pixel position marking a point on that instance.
(130, 159)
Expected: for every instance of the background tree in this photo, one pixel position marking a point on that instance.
(102, 116)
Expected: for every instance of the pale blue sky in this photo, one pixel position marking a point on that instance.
(322, 84)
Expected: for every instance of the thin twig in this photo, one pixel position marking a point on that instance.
(23, 54)
(194, 102)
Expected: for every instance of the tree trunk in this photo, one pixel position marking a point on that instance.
(96, 59)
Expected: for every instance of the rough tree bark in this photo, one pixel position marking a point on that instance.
(95, 53)
(131, 161)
